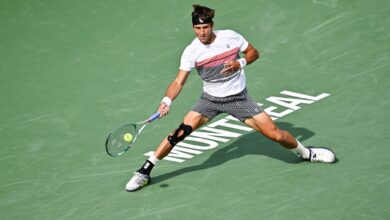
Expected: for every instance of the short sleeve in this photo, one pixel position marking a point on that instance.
(242, 43)
(186, 61)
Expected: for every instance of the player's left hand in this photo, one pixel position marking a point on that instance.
(230, 67)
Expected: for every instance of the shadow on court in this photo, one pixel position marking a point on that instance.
(250, 144)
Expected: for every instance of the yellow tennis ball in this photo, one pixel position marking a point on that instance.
(128, 137)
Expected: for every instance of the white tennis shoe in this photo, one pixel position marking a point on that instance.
(321, 155)
(137, 182)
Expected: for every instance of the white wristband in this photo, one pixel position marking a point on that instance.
(242, 62)
(167, 101)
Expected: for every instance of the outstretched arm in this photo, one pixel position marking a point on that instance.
(173, 91)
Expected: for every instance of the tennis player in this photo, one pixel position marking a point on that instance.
(215, 54)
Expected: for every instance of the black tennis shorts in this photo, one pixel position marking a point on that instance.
(240, 106)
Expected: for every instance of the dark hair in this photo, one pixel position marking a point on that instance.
(202, 15)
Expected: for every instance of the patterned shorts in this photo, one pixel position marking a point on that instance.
(240, 106)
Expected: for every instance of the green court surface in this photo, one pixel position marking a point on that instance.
(70, 71)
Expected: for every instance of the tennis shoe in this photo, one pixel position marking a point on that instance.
(321, 155)
(138, 181)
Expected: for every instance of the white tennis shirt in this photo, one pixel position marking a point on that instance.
(209, 60)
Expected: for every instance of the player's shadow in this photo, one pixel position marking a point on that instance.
(249, 144)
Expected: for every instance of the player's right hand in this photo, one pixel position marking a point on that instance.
(230, 67)
(163, 109)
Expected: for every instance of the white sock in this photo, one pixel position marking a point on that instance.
(153, 159)
(301, 150)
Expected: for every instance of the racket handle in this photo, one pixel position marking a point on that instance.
(154, 116)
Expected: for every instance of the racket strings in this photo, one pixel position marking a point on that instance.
(121, 139)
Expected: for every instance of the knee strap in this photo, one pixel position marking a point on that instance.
(178, 136)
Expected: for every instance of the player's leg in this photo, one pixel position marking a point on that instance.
(191, 121)
(264, 124)
(246, 110)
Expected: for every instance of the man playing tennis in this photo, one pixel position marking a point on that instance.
(215, 55)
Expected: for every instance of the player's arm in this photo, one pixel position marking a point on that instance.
(250, 55)
(173, 91)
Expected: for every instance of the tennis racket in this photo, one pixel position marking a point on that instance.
(124, 136)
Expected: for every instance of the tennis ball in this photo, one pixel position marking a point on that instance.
(128, 137)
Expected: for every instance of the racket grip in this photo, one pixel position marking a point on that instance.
(154, 116)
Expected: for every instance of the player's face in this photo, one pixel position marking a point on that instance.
(204, 32)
